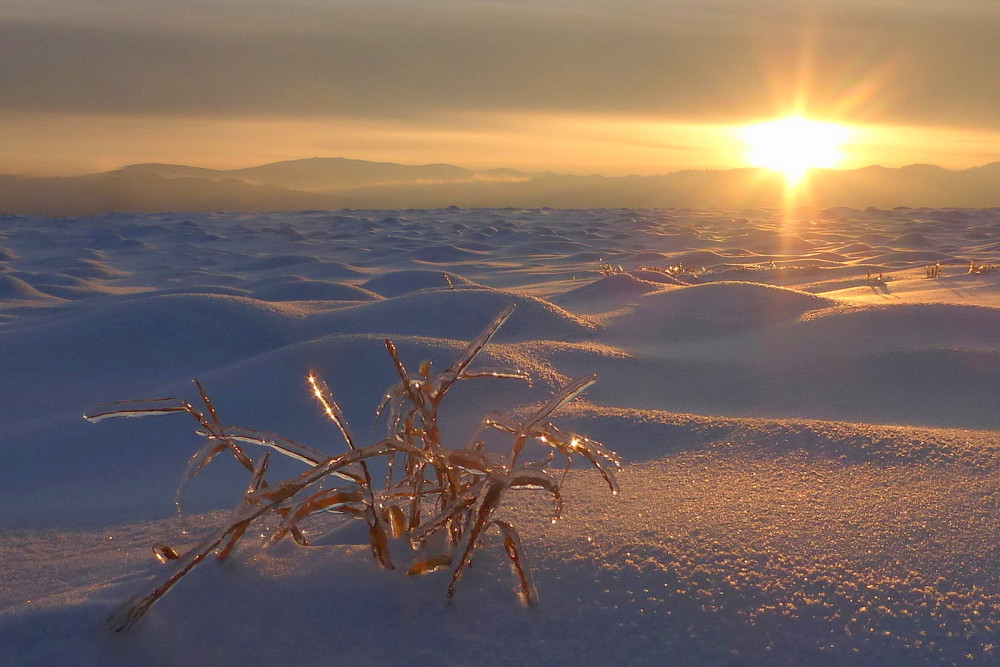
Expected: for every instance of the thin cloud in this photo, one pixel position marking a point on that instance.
(397, 59)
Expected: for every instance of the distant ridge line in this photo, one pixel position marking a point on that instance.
(336, 183)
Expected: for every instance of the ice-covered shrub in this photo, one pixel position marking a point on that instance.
(440, 500)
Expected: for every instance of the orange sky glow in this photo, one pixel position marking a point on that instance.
(581, 87)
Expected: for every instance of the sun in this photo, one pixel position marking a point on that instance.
(794, 145)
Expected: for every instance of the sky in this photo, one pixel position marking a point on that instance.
(576, 86)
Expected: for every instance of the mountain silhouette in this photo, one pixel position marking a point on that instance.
(334, 183)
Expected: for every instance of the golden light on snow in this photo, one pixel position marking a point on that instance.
(794, 145)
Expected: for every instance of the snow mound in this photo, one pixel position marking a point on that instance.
(445, 254)
(902, 326)
(914, 241)
(358, 370)
(270, 262)
(641, 435)
(63, 286)
(313, 290)
(15, 289)
(99, 351)
(731, 306)
(766, 241)
(699, 259)
(606, 293)
(455, 313)
(902, 258)
(658, 277)
(395, 283)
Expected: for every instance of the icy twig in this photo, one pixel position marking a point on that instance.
(441, 500)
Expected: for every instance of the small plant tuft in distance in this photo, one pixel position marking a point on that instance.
(611, 270)
(436, 500)
(978, 268)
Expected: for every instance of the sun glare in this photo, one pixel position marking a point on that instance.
(794, 145)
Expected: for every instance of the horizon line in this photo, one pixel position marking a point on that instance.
(475, 170)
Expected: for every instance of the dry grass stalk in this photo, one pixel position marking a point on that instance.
(678, 270)
(431, 494)
(879, 279)
(611, 270)
(978, 268)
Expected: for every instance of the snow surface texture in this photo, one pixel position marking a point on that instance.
(807, 421)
